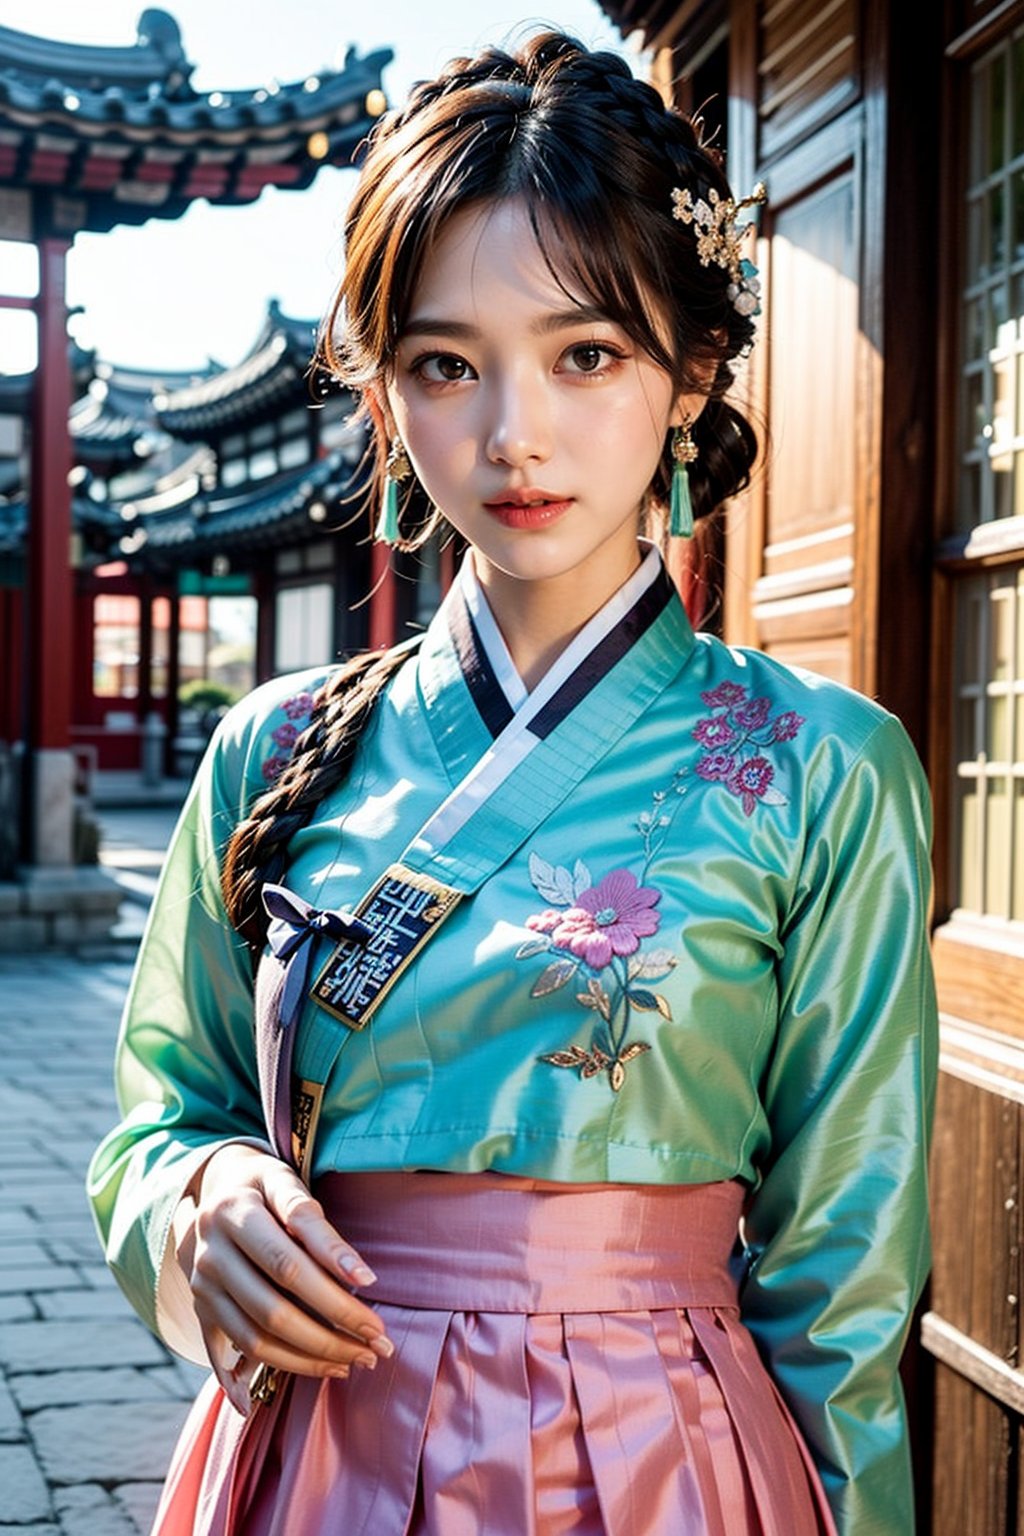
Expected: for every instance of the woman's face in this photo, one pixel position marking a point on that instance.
(534, 423)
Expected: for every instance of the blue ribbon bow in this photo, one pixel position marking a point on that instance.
(293, 924)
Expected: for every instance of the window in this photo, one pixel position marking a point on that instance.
(989, 848)
(304, 626)
(992, 400)
(115, 667)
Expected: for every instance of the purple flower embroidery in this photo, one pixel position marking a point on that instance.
(273, 766)
(752, 715)
(787, 725)
(716, 765)
(285, 735)
(745, 726)
(750, 780)
(298, 705)
(714, 732)
(725, 695)
(608, 919)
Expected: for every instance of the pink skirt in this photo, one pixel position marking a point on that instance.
(569, 1358)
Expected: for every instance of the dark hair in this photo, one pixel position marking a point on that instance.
(595, 156)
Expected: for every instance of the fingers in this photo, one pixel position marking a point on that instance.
(271, 1279)
(235, 1295)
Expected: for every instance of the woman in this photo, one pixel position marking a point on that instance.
(596, 1004)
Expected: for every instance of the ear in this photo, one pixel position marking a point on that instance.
(687, 407)
(376, 402)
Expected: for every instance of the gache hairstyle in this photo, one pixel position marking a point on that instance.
(594, 155)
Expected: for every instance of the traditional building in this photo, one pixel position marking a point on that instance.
(883, 543)
(91, 138)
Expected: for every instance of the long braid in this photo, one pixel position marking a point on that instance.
(258, 850)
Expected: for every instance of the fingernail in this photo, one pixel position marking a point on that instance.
(366, 1362)
(340, 1372)
(354, 1267)
(381, 1346)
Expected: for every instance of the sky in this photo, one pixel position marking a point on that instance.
(174, 294)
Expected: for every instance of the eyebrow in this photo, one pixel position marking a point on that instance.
(555, 320)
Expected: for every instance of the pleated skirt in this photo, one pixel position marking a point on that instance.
(568, 1359)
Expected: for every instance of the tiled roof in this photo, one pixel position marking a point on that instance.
(252, 517)
(106, 136)
(268, 374)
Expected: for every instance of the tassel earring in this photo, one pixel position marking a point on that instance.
(397, 469)
(684, 452)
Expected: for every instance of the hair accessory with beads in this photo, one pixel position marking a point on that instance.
(719, 240)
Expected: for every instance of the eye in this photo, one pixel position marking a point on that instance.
(590, 358)
(442, 368)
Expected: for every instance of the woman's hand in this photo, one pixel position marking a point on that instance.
(270, 1276)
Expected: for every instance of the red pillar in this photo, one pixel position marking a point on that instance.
(383, 602)
(49, 585)
(49, 553)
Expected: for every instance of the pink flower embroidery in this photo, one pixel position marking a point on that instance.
(285, 735)
(787, 725)
(273, 766)
(714, 732)
(716, 765)
(752, 715)
(725, 695)
(608, 919)
(750, 780)
(300, 704)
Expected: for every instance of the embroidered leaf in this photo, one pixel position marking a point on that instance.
(554, 882)
(772, 796)
(617, 1076)
(554, 976)
(653, 966)
(532, 947)
(636, 1049)
(596, 997)
(663, 1006)
(641, 998)
(591, 1069)
(573, 1057)
(581, 880)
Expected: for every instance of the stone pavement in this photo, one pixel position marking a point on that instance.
(90, 1402)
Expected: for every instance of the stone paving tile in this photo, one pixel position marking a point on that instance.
(25, 1495)
(11, 1425)
(41, 1346)
(85, 1509)
(16, 1309)
(87, 1302)
(140, 1500)
(116, 1384)
(90, 1403)
(112, 1441)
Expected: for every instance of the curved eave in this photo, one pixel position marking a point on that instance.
(86, 518)
(248, 391)
(252, 519)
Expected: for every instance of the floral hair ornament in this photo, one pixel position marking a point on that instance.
(720, 240)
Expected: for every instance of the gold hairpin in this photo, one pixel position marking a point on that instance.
(720, 239)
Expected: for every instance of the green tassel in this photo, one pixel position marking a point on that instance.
(680, 522)
(386, 531)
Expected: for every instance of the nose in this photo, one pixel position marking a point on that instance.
(519, 429)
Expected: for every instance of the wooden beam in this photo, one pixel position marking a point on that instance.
(972, 1360)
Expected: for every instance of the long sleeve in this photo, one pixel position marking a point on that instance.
(837, 1232)
(185, 1068)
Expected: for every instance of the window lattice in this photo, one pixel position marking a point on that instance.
(992, 408)
(989, 842)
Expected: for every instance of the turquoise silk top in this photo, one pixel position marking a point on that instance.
(704, 958)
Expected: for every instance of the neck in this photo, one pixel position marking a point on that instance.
(538, 619)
